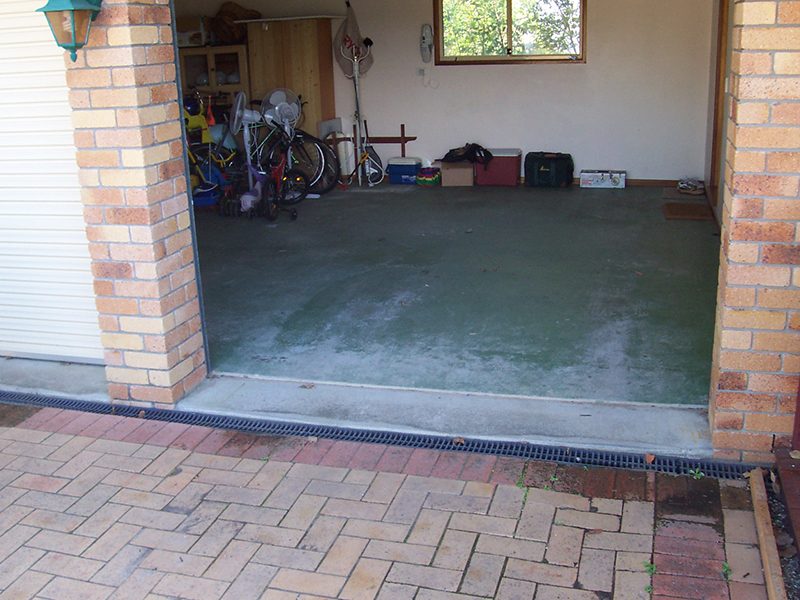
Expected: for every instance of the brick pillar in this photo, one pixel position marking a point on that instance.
(757, 342)
(130, 153)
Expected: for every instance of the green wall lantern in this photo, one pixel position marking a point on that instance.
(70, 21)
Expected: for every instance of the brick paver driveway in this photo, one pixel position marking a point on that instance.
(107, 507)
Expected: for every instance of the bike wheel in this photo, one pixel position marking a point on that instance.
(330, 171)
(306, 154)
(294, 187)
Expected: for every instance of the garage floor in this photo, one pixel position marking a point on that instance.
(580, 294)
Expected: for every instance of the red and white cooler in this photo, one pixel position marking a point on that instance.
(504, 168)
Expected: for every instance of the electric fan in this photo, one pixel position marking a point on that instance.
(242, 119)
(282, 107)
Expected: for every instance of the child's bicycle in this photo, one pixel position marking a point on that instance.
(286, 185)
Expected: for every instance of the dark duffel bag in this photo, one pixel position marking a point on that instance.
(548, 169)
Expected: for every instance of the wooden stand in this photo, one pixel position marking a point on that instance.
(402, 139)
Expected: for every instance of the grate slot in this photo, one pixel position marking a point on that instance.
(523, 450)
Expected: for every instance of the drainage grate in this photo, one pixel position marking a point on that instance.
(560, 454)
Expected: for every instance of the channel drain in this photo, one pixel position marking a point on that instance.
(560, 454)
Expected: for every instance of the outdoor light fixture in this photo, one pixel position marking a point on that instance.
(70, 21)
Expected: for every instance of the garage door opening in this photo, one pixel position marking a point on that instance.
(576, 294)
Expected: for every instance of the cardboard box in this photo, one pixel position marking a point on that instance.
(603, 179)
(191, 31)
(459, 174)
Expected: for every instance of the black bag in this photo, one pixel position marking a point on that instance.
(548, 169)
(474, 153)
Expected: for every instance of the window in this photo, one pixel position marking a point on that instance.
(503, 31)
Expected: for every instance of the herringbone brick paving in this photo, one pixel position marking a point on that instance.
(107, 507)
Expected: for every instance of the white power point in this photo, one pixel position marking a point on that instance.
(421, 72)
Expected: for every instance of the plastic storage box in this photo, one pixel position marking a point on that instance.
(504, 168)
(403, 170)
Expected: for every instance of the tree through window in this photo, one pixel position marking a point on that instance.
(487, 31)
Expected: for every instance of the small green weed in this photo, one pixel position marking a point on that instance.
(696, 473)
(726, 571)
(650, 568)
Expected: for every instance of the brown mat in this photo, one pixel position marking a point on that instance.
(686, 211)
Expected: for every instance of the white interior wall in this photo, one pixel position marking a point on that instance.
(640, 102)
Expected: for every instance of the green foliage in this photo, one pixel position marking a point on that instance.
(726, 571)
(539, 27)
(650, 568)
(696, 473)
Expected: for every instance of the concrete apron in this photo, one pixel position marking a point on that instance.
(679, 430)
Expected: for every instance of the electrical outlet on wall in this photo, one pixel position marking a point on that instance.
(421, 72)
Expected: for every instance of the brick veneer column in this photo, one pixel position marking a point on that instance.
(757, 342)
(128, 135)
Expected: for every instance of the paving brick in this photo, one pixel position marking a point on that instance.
(588, 520)
(122, 566)
(191, 588)
(682, 565)
(747, 591)
(507, 502)
(134, 497)
(343, 555)
(27, 586)
(596, 570)
(365, 580)
(250, 583)
(133, 481)
(351, 509)
(457, 503)
(60, 542)
(322, 533)
(632, 561)
(286, 493)
(201, 518)
(501, 546)
(65, 565)
(232, 560)
(275, 556)
(252, 514)
(745, 563)
(483, 575)
(176, 562)
(557, 499)
(228, 493)
(137, 585)
(396, 591)
(77, 464)
(541, 573)
(405, 507)
(421, 462)
(329, 489)
(62, 588)
(546, 592)
(269, 476)
(340, 454)
(454, 550)
(112, 541)
(536, 521)
(93, 500)
(633, 585)
(394, 459)
(740, 527)
(167, 434)
(367, 456)
(430, 577)
(681, 547)
(384, 487)
(155, 519)
(164, 540)
(308, 583)
(564, 546)
(483, 524)
(17, 563)
(515, 589)
(637, 517)
(429, 527)
(400, 552)
(680, 586)
(220, 477)
(277, 536)
(46, 519)
(190, 438)
(216, 537)
(628, 542)
(392, 532)
(188, 498)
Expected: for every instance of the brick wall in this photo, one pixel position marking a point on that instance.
(130, 153)
(757, 342)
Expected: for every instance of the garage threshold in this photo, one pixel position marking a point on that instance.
(677, 430)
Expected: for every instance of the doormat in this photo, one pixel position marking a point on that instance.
(685, 211)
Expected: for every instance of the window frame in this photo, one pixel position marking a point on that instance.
(441, 60)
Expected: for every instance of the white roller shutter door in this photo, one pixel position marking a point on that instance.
(47, 307)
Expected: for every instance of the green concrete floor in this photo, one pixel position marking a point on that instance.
(575, 293)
